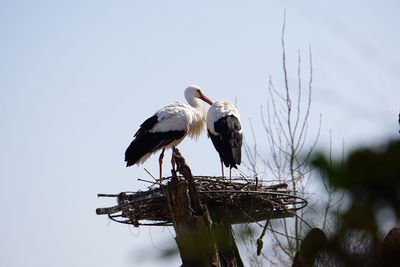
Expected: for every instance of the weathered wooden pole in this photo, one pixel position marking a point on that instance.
(203, 240)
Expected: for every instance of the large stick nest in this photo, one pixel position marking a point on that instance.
(241, 200)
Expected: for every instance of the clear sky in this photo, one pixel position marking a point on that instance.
(78, 77)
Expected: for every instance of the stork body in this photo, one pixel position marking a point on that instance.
(168, 127)
(225, 130)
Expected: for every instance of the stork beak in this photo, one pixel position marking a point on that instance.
(206, 99)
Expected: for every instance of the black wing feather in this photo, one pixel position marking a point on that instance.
(228, 142)
(145, 142)
(147, 125)
(149, 143)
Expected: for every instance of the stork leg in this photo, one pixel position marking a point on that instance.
(222, 168)
(230, 174)
(160, 161)
(173, 162)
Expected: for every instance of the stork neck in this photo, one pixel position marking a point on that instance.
(198, 117)
(194, 102)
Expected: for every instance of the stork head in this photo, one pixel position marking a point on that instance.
(193, 92)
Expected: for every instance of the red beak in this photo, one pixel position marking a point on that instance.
(206, 99)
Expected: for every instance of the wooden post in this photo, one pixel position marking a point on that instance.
(201, 242)
(225, 242)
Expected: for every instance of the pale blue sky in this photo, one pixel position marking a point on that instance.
(78, 77)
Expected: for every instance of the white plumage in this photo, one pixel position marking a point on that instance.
(180, 116)
(218, 110)
(168, 127)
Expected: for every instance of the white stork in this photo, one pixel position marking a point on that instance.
(225, 131)
(168, 127)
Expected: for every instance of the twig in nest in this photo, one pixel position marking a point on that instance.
(147, 181)
(151, 176)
